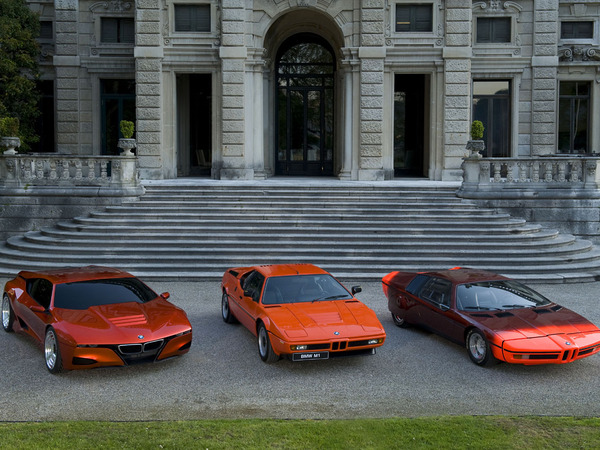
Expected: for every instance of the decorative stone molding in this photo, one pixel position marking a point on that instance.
(67, 170)
(495, 6)
(495, 175)
(578, 53)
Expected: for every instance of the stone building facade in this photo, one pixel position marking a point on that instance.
(350, 89)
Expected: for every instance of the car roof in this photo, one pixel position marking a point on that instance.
(460, 275)
(71, 274)
(281, 270)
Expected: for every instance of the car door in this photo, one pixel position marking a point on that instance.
(249, 299)
(436, 312)
(34, 304)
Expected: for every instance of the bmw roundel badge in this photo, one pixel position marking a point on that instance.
(336, 333)
(140, 336)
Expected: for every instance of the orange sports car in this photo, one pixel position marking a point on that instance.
(496, 318)
(94, 316)
(299, 311)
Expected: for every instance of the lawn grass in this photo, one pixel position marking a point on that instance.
(489, 432)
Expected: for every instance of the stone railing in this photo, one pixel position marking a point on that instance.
(496, 177)
(57, 170)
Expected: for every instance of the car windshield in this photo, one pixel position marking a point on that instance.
(497, 295)
(83, 294)
(303, 288)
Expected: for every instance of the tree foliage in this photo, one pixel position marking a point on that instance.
(19, 71)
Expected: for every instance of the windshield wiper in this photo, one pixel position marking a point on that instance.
(482, 308)
(516, 306)
(331, 297)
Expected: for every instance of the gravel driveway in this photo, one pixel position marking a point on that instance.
(415, 373)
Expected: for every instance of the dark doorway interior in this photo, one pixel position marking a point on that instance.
(44, 126)
(200, 124)
(305, 100)
(117, 100)
(409, 125)
(194, 135)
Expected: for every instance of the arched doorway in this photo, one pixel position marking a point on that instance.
(304, 110)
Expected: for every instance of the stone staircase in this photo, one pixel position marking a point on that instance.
(356, 231)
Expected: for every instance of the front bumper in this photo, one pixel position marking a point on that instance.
(91, 356)
(555, 349)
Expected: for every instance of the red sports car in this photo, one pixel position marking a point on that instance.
(94, 316)
(299, 311)
(495, 317)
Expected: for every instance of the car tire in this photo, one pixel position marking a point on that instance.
(399, 321)
(479, 349)
(265, 350)
(8, 315)
(226, 313)
(52, 351)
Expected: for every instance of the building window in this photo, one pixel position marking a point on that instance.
(573, 117)
(46, 29)
(493, 30)
(194, 18)
(414, 18)
(491, 105)
(117, 30)
(577, 30)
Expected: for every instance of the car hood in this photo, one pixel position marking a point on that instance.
(533, 322)
(325, 319)
(123, 322)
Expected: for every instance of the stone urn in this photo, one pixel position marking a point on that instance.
(475, 147)
(127, 145)
(10, 143)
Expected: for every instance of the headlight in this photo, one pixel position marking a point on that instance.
(374, 341)
(299, 347)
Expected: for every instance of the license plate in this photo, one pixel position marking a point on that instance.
(309, 356)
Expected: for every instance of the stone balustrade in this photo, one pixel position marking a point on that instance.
(57, 170)
(499, 177)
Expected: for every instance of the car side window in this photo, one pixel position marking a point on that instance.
(416, 284)
(41, 291)
(436, 291)
(253, 285)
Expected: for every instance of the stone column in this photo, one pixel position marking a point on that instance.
(457, 86)
(372, 58)
(236, 163)
(148, 54)
(255, 113)
(544, 72)
(66, 63)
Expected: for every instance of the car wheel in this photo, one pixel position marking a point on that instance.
(228, 317)
(265, 350)
(8, 316)
(399, 321)
(479, 349)
(52, 352)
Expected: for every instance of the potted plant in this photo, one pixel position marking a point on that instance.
(476, 145)
(9, 131)
(126, 143)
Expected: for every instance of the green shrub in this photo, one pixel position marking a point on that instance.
(9, 127)
(476, 130)
(127, 128)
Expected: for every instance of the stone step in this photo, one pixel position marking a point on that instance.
(533, 270)
(353, 230)
(561, 245)
(532, 237)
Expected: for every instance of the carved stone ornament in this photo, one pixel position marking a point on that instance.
(10, 143)
(127, 145)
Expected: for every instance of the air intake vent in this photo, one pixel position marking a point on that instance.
(128, 321)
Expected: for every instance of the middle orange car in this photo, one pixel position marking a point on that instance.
(299, 311)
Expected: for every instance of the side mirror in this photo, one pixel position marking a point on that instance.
(356, 289)
(38, 308)
(165, 295)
